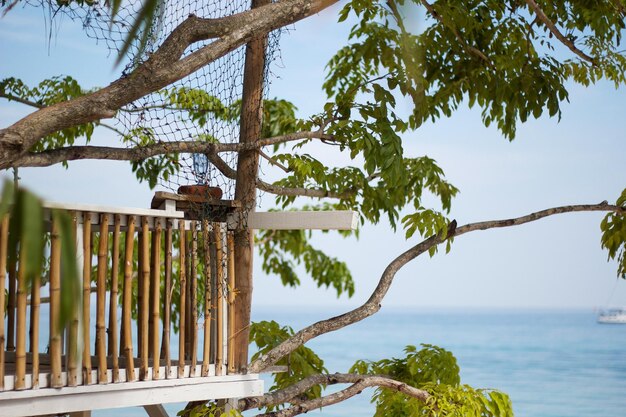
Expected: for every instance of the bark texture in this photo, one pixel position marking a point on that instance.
(245, 191)
(292, 392)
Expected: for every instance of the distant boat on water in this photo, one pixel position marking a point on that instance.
(612, 316)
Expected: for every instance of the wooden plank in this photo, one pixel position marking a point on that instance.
(145, 291)
(206, 352)
(193, 295)
(183, 296)
(140, 294)
(35, 302)
(84, 413)
(230, 259)
(167, 298)
(155, 291)
(20, 353)
(155, 410)
(219, 279)
(129, 211)
(86, 296)
(103, 251)
(55, 307)
(113, 331)
(299, 220)
(161, 196)
(73, 360)
(4, 240)
(127, 340)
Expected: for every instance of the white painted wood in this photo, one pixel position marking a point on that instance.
(299, 220)
(72, 399)
(155, 410)
(119, 210)
(44, 378)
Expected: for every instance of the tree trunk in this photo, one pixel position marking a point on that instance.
(245, 191)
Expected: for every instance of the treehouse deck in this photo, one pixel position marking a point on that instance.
(152, 326)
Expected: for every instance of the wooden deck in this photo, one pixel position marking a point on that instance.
(157, 329)
(46, 401)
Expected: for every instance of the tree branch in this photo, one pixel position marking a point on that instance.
(373, 304)
(72, 153)
(274, 162)
(472, 49)
(365, 381)
(164, 67)
(555, 31)
(300, 191)
(291, 392)
(36, 105)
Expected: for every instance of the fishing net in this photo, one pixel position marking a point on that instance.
(203, 106)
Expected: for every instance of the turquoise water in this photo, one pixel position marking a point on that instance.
(551, 363)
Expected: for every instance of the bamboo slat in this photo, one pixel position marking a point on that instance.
(103, 251)
(86, 296)
(55, 307)
(72, 354)
(219, 247)
(193, 299)
(155, 290)
(127, 290)
(183, 298)
(140, 269)
(20, 354)
(4, 241)
(113, 332)
(167, 299)
(231, 301)
(207, 299)
(11, 306)
(145, 290)
(188, 274)
(35, 302)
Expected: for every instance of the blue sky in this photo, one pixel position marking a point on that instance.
(554, 263)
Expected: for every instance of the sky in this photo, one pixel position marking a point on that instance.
(553, 263)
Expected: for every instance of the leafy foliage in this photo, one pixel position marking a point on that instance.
(46, 93)
(302, 362)
(435, 370)
(283, 250)
(210, 409)
(613, 228)
(481, 52)
(154, 168)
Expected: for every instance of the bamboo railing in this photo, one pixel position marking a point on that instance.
(147, 317)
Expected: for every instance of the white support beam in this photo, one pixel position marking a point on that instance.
(129, 394)
(299, 220)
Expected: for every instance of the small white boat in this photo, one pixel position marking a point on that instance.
(612, 316)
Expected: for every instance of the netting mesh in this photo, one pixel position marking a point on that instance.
(202, 106)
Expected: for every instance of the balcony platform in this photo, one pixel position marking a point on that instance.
(46, 401)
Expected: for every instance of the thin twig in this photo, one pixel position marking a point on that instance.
(556, 32)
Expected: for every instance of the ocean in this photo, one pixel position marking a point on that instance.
(551, 363)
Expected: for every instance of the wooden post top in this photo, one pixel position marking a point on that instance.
(194, 206)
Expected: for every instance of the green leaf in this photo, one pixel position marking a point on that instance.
(70, 280)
